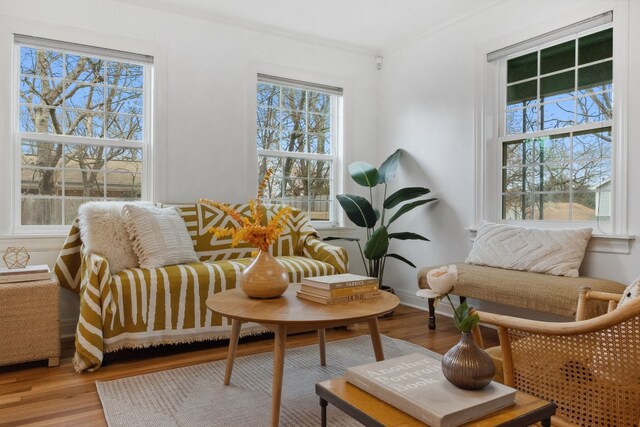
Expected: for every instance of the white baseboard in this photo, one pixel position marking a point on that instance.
(411, 300)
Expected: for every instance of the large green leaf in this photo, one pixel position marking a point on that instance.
(358, 210)
(401, 258)
(403, 195)
(377, 245)
(407, 235)
(409, 206)
(390, 166)
(364, 174)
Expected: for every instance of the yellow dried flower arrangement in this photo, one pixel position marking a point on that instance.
(251, 229)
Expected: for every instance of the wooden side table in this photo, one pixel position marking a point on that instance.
(373, 412)
(30, 322)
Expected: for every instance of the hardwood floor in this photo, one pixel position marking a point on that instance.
(32, 394)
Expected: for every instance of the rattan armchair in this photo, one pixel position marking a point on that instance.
(589, 368)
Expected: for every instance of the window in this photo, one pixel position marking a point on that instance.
(81, 128)
(556, 133)
(297, 137)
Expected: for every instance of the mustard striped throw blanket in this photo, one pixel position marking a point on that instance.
(144, 307)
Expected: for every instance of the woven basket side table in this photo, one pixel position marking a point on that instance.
(30, 322)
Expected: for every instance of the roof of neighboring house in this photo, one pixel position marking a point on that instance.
(560, 211)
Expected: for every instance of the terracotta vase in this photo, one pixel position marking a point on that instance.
(467, 366)
(264, 277)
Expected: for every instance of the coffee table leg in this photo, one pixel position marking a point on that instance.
(323, 412)
(233, 346)
(278, 369)
(321, 344)
(374, 331)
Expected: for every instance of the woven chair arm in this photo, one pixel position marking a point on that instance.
(603, 296)
(626, 312)
(587, 295)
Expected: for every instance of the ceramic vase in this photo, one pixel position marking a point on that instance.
(264, 277)
(467, 366)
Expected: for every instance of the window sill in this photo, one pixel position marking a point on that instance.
(604, 243)
(34, 242)
(334, 231)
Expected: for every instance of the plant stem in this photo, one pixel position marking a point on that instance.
(371, 196)
(383, 199)
(363, 261)
(455, 313)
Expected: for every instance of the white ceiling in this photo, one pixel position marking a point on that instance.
(372, 26)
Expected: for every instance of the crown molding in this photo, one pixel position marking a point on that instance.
(204, 15)
(427, 32)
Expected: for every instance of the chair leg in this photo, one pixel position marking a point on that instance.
(432, 313)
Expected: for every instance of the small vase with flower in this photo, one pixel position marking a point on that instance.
(465, 365)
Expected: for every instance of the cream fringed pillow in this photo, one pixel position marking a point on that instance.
(159, 236)
(557, 252)
(103, 232)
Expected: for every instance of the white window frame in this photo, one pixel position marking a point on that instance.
(18, 137)
(489, 108)
(335, 131)
(504, 137)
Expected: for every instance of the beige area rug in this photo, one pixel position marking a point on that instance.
(195, 396)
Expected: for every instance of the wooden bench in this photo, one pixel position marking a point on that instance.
(545, 293)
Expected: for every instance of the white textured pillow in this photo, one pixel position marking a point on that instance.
(159, 236)
(103, 232)
(632, 291)
(557, 252)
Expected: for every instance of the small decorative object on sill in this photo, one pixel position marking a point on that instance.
(264, 277)
(16, 257)
(465, 365)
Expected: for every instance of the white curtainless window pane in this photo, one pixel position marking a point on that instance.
(91, 106)
(564, 166)
(299, 125)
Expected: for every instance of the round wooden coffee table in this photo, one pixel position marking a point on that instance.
(289, 314)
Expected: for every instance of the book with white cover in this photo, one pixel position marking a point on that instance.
(26, 274)
(416, 385)
(338, 281)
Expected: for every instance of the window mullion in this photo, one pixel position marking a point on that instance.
(82, 140)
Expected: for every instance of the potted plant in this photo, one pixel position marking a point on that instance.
(378, 221)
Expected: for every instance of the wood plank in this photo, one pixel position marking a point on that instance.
(59, 396)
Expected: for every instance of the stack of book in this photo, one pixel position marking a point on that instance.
(30, 273)
(338, 288)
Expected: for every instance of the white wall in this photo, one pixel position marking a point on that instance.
(205, 99)
(427, 97)
(422, 101)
